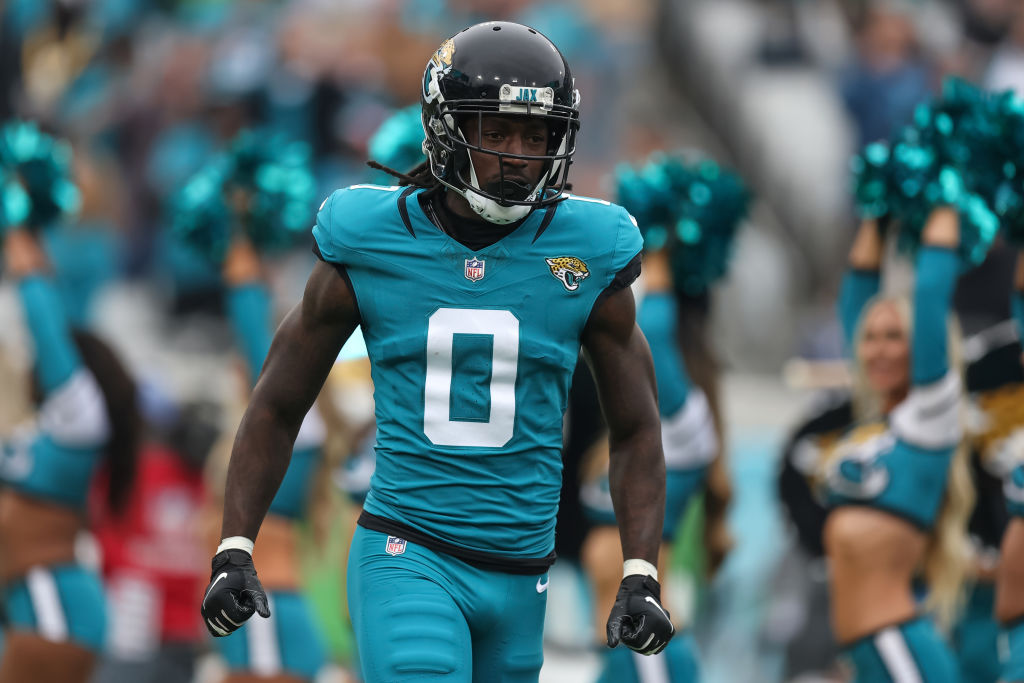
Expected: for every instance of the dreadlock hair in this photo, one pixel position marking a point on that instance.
(119, 394)
(420, 176)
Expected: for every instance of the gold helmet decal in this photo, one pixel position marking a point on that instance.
(444, 54)
(568, 270)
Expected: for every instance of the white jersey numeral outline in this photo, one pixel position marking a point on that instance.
(442, 326)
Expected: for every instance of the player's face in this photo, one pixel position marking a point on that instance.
(884, 351)
(508, 135)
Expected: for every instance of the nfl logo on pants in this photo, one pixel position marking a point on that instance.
(395, 545)
(474, 269)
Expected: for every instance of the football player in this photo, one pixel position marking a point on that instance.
(475, 284)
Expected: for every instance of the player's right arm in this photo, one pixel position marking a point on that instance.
(301, 355)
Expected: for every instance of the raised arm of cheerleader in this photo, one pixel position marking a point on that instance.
(861, 281)
(248, 305)
(937, 267)
(56, 356)
(658, 320)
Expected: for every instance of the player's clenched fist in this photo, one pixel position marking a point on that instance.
(234, 593)
(638, 620)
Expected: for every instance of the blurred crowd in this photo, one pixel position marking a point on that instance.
(149, 91)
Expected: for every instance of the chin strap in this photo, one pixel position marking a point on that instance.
(492, 211)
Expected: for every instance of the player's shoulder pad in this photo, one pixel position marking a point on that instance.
(348, 213)
(608, 227)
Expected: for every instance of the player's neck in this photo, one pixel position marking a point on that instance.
(456, 204)
(470, 230)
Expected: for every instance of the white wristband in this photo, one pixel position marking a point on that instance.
(630, 567)
(236, 543)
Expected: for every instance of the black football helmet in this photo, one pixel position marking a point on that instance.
(498, 68)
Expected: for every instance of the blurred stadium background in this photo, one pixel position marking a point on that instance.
(782, 90)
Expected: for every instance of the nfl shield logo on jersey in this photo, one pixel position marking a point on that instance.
(395, 545)
(474, 269)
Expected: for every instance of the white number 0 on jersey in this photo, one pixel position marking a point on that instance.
(442, 327)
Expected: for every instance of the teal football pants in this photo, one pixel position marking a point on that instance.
(420, 615)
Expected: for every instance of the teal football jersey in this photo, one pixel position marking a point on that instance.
(472, 353)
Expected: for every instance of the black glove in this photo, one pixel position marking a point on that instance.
(234, 593)
(638, 620)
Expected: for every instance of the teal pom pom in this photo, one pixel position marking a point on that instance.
(953, 154)
(15, 204)
(871, 180)
(398, 143)
(277, 175)
(1009, 196)
(692, 207)
(273, 175)
(199, 213)
(41, 165)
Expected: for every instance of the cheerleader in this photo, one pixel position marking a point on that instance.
(898, 484)
(1009, 604)
(54, 604)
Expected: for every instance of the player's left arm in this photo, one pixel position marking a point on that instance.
(620, 359)
(621, 362)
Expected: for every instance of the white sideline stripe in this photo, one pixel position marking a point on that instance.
(651, 668)
(896, 657)
(264, 653)
(42, 591)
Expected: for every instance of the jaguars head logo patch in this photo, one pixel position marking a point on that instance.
(568, 270)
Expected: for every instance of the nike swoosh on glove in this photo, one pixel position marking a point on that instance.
(234, 593)
(638, 620)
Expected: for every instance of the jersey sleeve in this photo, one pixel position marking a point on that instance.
(857, 289)
(326, 232)
(57, 358)
(628, 242)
